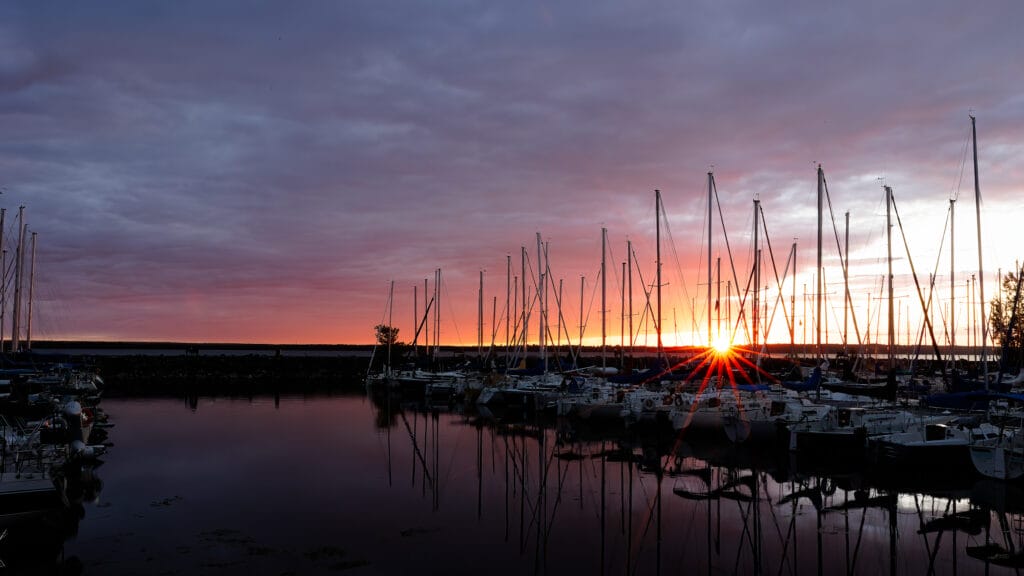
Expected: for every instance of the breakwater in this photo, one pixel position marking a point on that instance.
(156, 368)
(143, 375)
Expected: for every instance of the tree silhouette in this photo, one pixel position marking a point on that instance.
(387, 338)
(1007, 321)
(386, 335)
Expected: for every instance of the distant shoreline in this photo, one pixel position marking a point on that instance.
(803, 350)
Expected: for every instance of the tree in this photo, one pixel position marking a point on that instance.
(1006, 320)
(387, 338)
(386, 335)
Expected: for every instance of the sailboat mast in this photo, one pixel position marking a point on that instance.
(508, 292)
(629, 262)
(391, 330)
(888, 239)
(952, 282)
(817, 271)
(846, 283)
(728, 308)
(718, 297)
(583, 282)
(18, 263)
(480, 317)
(757, 274)
(437, 313)
(3, 280)
(526, 317)
(711, 183)
(792, 306)
(559, 323)
(981, 265)
(657, 245)
(31, 289)
(604, 307)
(622, 319)
(540, 302)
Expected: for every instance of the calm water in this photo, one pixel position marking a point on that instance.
(330, 485)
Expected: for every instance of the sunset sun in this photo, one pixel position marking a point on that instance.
(721, 345)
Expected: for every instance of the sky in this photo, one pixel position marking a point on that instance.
(263, 171)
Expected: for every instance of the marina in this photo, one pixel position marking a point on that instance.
(546, 288)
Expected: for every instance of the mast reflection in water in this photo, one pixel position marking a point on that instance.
(380, 485)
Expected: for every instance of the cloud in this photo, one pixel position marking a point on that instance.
(233, 171)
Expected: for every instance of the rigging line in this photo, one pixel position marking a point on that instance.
(955, 193)
(618, 279)
(423, 323)
(742, 315)
(781, 297)
(921, 329)
(501, 322)
(775, 270)
(751, 255)
(551, 339)
(870, 239)
(705, 235)
(917, 284)
(416, 450)
(931, 286)
(384, 316)
(559, 483)
(746, 534)
(647, 296)
(558, 304)
(521, 338)
(590, 307)
(846, 273)
(725, 235)
(647, 316)
(444, 286)
(647, 525)
(583, 319)
(562, 327)
(441, 486)
(8, 272)
(942, 243)
(875, 319)
(675, 253)
(522, 475)
(534, 298)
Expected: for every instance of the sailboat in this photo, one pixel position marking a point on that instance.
(1003, 460)
(845, 430)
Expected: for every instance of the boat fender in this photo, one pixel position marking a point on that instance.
(829, 487)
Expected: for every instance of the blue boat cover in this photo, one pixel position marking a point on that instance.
(811, 383)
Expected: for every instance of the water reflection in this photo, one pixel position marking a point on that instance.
(33, 530)
(643, 501)
(381, 484)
